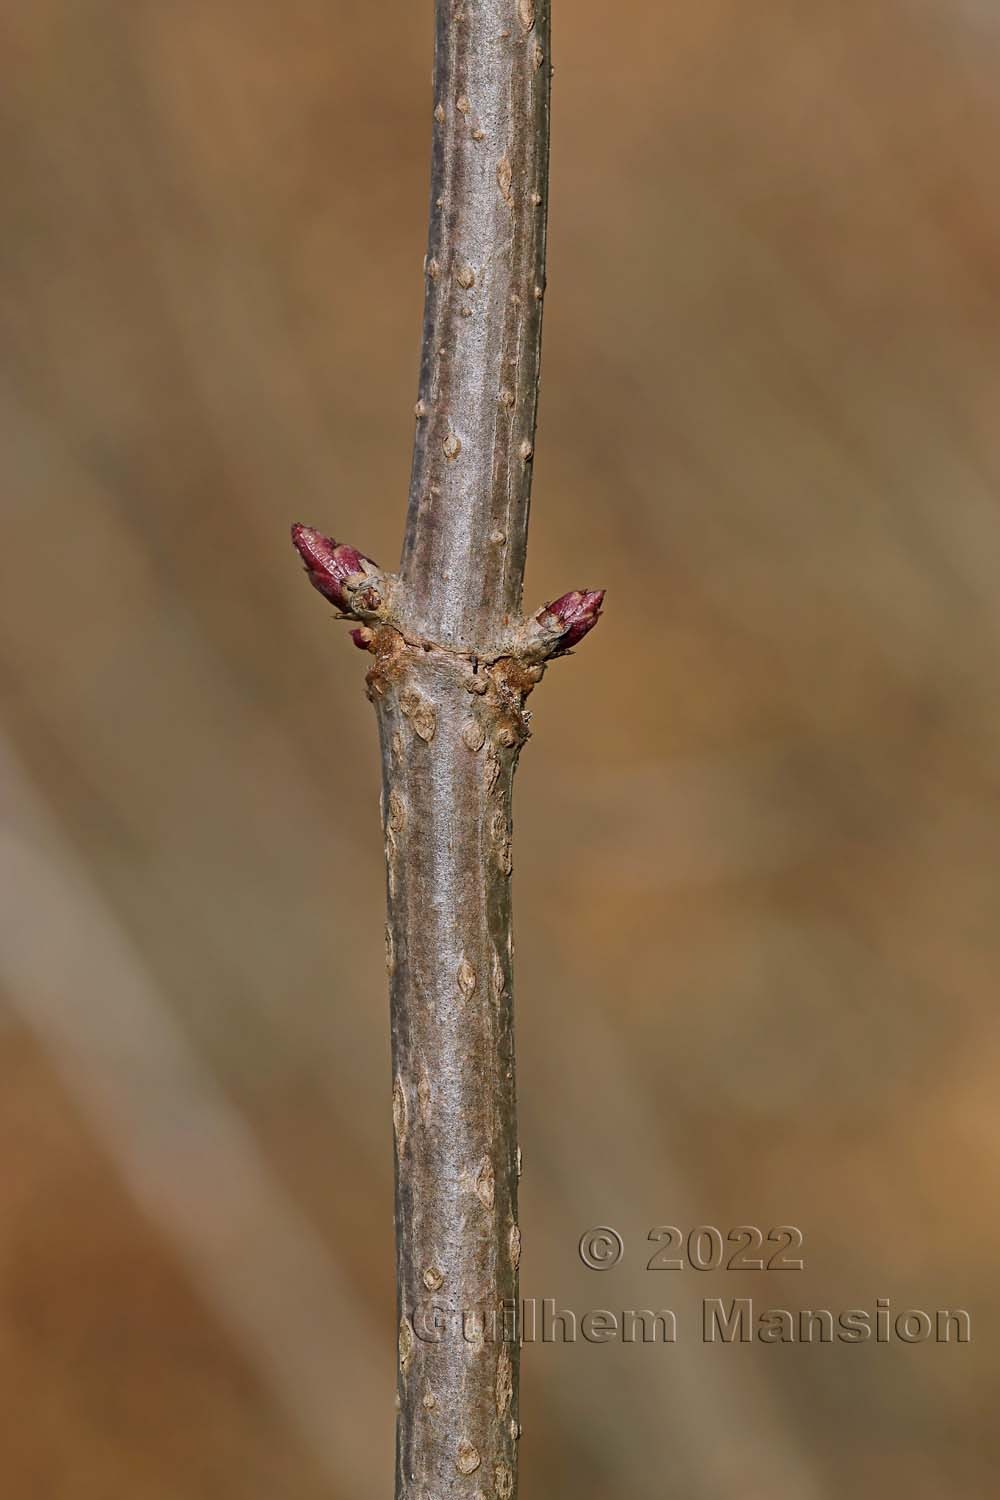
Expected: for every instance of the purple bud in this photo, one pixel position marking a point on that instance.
(330, 565)
(362, 637)
(571, 616)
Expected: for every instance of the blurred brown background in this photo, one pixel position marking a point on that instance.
(758, 823)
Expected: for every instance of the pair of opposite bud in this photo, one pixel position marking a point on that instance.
(344, 576)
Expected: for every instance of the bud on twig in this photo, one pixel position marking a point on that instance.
(341, 573)
(559, 626)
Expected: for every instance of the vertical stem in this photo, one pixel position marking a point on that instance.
(450, 738)
(453, 665)
(463, 558)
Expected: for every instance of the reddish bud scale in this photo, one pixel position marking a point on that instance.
(330, 565)
(572, 616)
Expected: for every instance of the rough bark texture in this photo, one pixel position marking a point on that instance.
(463, 560)
(454, 663)
(450, 738)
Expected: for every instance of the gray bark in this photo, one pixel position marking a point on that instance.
(450, 739)
(463, 560)
(453, 664)
(452, 723)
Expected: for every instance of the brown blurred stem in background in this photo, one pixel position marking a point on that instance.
(454, 662)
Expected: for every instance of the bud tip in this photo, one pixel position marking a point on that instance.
(571, 616)
(330, 565)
